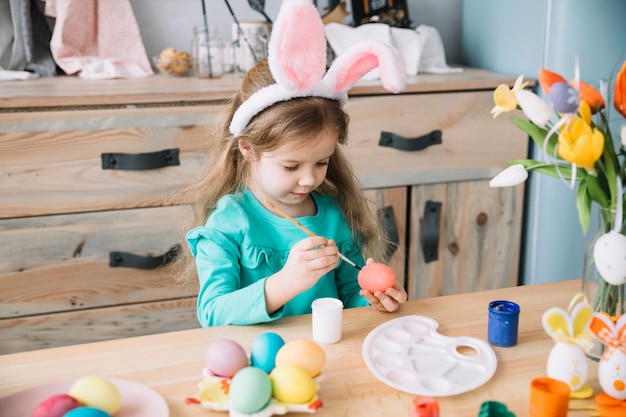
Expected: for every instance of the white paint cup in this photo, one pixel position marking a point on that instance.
(327, 315)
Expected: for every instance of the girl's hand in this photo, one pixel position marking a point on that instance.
(389, 300)
(309, 260)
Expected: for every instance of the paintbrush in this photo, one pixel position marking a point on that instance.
(304, 229)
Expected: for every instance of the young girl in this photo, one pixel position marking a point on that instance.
(283, 149)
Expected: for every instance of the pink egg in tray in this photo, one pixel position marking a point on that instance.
(408, 354)
(277, 377)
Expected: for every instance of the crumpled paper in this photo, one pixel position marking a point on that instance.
(97, 39)
(422, 47)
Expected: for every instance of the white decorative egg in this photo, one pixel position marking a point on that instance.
(609, 254)
(612, 375)
(567, 363)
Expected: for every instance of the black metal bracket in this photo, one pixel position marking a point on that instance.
(130, 260)
(430, 230)
(141, 161)
(410, 144)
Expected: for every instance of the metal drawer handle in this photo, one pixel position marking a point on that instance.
(140, 161)
(430, 230)
(392, 140)
(130, 260)
(391, 231)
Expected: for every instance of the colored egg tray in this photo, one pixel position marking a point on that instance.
(213, 395)
(408, 354)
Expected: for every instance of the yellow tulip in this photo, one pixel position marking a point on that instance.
(505, 98)
(580, 144)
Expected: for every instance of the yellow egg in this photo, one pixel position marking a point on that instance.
(305, 353)
(292, 384)
(98, 392)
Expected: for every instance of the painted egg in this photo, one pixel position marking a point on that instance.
(292, 384)
(86, 412)
(98, 392)
(305, 353)
(564, 97)
(376, 277)
(250, 390)
(611, 375)
(264, 349)
(567, 362)
(224, 357)
(55, 406)
(609, 253)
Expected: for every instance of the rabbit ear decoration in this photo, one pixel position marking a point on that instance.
(613, 335)
(297, 61)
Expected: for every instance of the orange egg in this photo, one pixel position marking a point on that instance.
(305, 353)
(376, 277)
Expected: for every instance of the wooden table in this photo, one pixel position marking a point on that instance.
(171, 363)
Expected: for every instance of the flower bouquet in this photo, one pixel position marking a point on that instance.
(577, 146)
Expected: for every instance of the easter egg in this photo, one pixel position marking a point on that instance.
(292, 384)
(86, 412)
(55, 406)
(609, 253)
(225, 357)
(564, 97)
(98, 392)
(250, 390)
(305, 353)
(376, 277)
(264, 349)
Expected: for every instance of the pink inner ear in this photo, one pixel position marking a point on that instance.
(358, 69)
(301, 47)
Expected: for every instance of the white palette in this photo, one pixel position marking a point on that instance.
(409, 355)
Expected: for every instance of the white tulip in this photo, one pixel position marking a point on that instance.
(622, 134)
(513, 175)
(534, 107)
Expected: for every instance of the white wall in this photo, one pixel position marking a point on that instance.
(169, 23)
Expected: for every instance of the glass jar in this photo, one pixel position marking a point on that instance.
(604, 297)
(207, 50)
(250, 43)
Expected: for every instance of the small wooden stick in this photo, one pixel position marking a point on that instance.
(304, 229)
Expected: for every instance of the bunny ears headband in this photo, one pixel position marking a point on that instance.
(297, 61)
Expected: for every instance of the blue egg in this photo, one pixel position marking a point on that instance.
(86, 412)
(564, 97)
(264, 349)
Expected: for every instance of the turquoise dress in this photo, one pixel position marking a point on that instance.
(242, 244)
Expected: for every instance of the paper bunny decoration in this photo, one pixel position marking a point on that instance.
(567, 361)
(612, 367)
(297, 61)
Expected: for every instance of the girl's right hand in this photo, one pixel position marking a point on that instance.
(309, 260)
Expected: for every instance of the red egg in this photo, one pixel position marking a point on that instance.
(55, 406)
(225, 357)
(376, 277)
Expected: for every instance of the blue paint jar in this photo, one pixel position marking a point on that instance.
(503, 323)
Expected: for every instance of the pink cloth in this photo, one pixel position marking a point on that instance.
(98, 39)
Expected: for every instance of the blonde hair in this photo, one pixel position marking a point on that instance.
(304, 118)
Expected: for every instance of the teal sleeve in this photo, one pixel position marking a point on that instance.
(221, 298)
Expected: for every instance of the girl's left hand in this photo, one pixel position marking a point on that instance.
(389, 300)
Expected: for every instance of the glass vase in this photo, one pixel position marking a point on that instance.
(604, 297)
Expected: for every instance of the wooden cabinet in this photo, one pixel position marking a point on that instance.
(71, 219)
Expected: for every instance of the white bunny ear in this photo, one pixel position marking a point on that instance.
(363, 57)
(297, 47)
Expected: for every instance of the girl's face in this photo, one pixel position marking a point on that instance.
(288, 174)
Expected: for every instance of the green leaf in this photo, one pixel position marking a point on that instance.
(550, 168)
(538, 134)
(583, 203)
(596, 192)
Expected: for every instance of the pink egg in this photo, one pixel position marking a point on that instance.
(55, 406)
(376, 277)
(225, 357)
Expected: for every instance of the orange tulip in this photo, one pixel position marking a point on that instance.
(547, 78)
(619, 96)
(591, 96)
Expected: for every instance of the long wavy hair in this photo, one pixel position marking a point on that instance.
(303, 118)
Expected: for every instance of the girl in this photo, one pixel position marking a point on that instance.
(253, 265)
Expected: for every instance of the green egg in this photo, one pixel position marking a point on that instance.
(250, 390)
